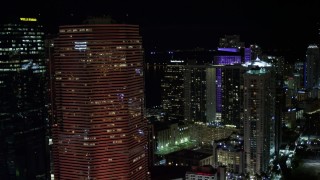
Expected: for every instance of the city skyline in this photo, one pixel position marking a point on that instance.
(287, 28)
(126, 89)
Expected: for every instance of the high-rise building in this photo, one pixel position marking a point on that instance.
(279, 105)
(312, 67)
(222, 60)
(172, 86)
(279, 70)
(230, 51)
(299, 74)
(258, 116)
(195, 93)
(49, 49)
(255, 51)
(224, 94)
(211, 104)
(232, 90)
(183, 83)
(278, 63)
(99, 129)
(22, 100)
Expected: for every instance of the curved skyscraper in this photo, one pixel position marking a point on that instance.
(99, 129)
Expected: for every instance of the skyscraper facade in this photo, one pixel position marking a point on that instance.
(299, 69)
(172, 86)
(99, 130)
(230, 86)
(195, 93)
(223, 60)
(257, 117)
(312, 67)
(230, 51)
(22, 100)
(232, 90)
(211, 103)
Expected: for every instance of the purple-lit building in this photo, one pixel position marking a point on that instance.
(247, 55)
(231, 51)
(225, 56)
(223, 60)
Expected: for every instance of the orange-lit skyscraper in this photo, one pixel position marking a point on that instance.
(99, 130)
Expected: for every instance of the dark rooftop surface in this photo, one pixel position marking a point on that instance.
(190, 154)
(168, 172)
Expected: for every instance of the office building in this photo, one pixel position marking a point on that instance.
(22, 100)
(99, 129)
(183, 83)
(172, 86)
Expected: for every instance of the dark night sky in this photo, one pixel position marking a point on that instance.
(272, 24)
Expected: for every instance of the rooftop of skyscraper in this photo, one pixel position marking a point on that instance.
(233, 143)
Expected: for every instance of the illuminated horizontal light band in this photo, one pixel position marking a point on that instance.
(80, 45)
(230, 126)
(28, 19)
(312, 46)
(229, 49)
(177, 61)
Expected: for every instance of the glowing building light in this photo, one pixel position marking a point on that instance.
(229, 49)
(80, 45)
(257, 62)
(28, 19)
(176, 61)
